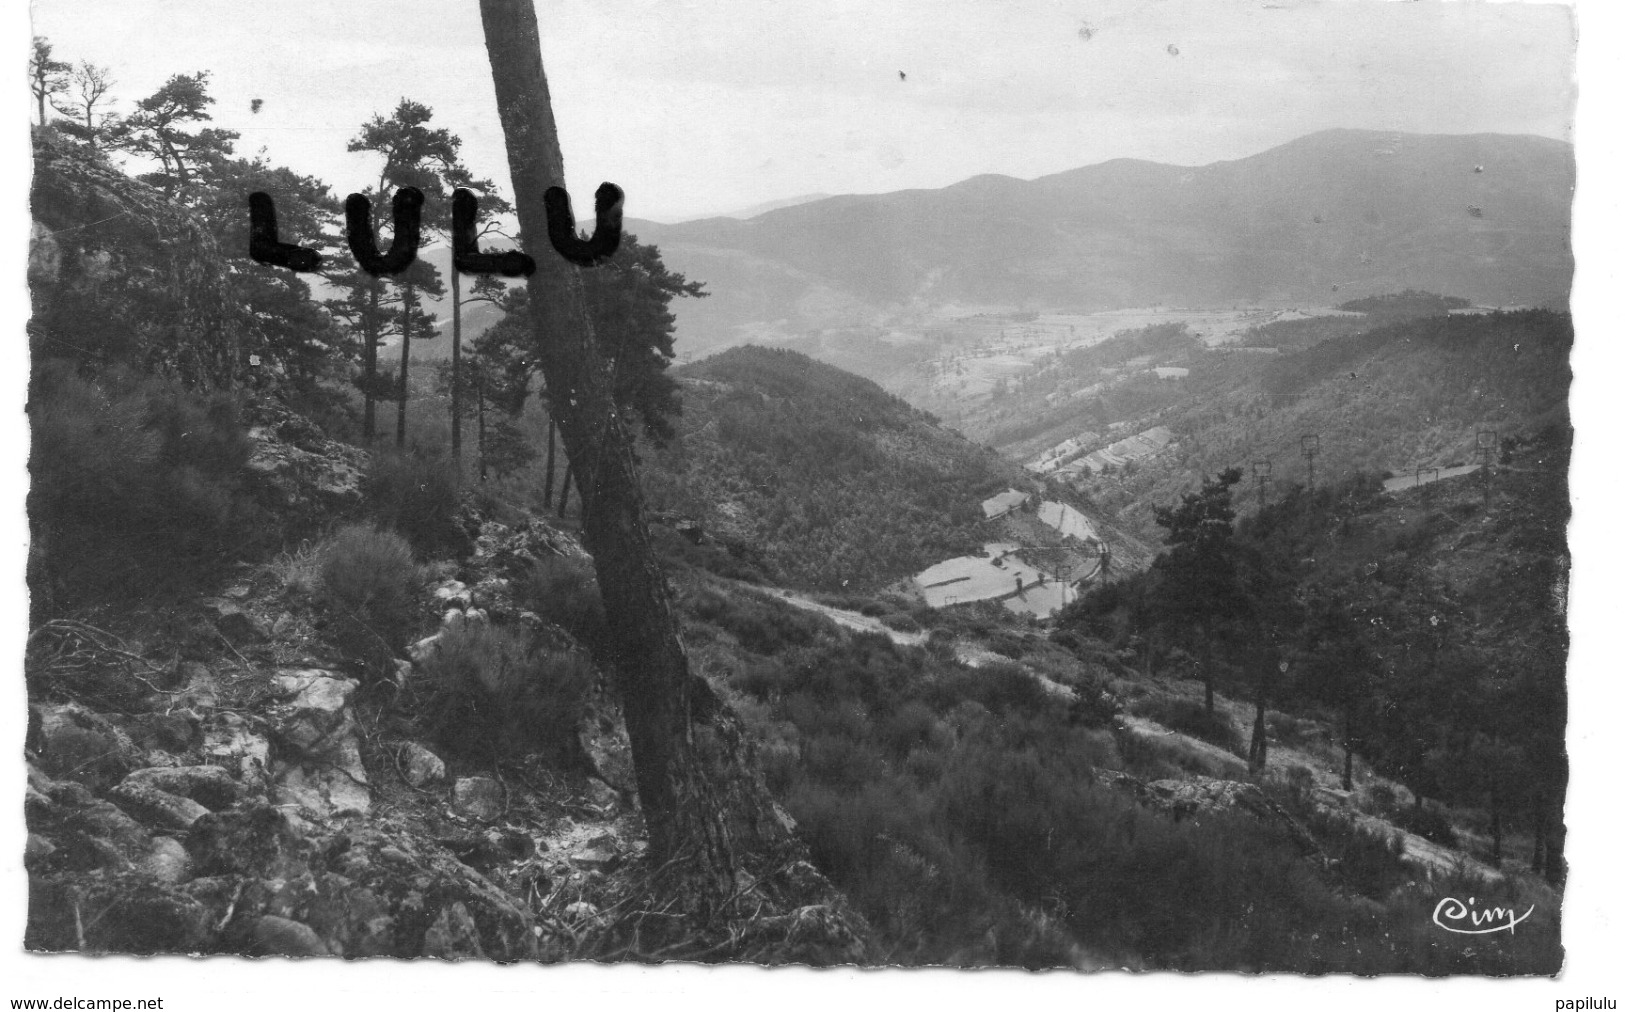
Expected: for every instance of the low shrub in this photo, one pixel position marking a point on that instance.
(761, 625)
(1160, 757)
(762, 678)
(371, 585)
(1427, 822)
(492, 690)
(415, 493)
(1367, 861)
(1290, 730)
(297, 570)
(901, 623)
(1006, 644)
(137, 486)
(564, 590)
(1187, 716)
(1001, 687)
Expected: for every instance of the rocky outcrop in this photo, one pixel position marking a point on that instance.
(1197, 796)
(250, 798)
(296, 470)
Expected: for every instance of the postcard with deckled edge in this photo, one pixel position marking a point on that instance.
(1052, 487)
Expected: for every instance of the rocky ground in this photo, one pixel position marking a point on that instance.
(212, 777)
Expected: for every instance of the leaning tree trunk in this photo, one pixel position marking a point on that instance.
(479, 393)
(699, 799)
(406, 360)
(369, 366)
(457, 370)
(552, 444)
(1348, 751)
(564, 488)
(1258, 749)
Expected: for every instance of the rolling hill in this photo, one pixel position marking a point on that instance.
(1386, 398)
(822, 477)
(1483, 216)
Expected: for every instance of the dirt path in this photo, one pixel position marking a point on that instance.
(848, 619)
(969, 654)
(1411, 480)
(1325, 762)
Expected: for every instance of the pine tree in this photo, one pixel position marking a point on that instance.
(160, 128)
(417, 155)
(46, 76)
(1198, 579)
(87, 95)
(700, 803)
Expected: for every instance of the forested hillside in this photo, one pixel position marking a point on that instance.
(1427, 625)
(1389, 397)
(831, 479)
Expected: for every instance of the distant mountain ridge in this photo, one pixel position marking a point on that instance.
(1331, 216)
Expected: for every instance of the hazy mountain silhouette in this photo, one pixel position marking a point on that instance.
(1484, 216)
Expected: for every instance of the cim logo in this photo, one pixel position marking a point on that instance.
(1469, 919)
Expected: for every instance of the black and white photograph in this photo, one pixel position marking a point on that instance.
(1076, 486)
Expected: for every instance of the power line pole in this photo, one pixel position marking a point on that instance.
(1309, 446)
(1261, 475)
(1488, 440)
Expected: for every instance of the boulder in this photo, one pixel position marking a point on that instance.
(279, 936)
(297, 471)
(157, 808)
(490, 848)
(258, 841)
(230, 741)
(596, 858)
(210, 786)
(1202, 795)
(494, 596)
(84, 746)
(454, 593)
(321, 771)
(453, 935)
(71, 830)
(167, 861)
(420, 766)
(198, 686)
(129, 912)
(316, 717)
(37, 849)
(235, 623)
(601, 795)
(174, 732)
(331, 784)
(478, 797)
(423, 649)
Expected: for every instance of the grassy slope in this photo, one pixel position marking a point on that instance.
(964, 810)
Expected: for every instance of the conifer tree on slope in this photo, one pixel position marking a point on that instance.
(702, 805)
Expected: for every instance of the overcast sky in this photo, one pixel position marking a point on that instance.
(707, 106)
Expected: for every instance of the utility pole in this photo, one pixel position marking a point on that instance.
(1488, 441)
(1427, 490)
(1309, 446)
(1261, 475)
